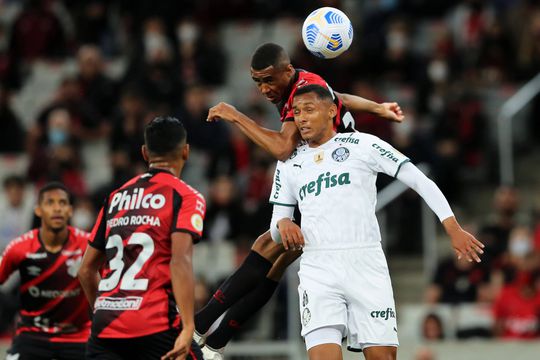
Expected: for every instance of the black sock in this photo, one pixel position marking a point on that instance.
(252, 271)
(240, 313)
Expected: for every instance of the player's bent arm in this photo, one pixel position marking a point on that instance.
(279, 212)
(183, 284)
(390, 111)
(284, 230)
(464, 244)
(280, 144)
(89, 273)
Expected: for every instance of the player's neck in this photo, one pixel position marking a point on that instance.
(53, 240)
(175, 169)
(323, 140)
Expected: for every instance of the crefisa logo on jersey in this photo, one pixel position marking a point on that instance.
(341, 154)
(136, 199)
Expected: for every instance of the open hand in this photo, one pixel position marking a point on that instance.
(391, 111)
(182, 345)
(465, 245)
(291, 234)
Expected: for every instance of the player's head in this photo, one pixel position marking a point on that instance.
(314, 111)
(54, 206)
(165, 141)
(272, 71)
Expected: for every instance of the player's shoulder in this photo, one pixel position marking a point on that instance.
(23, 242)
(297, 153)
(79, 234)
(179, 185)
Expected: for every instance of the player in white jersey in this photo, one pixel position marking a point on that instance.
(345, 287)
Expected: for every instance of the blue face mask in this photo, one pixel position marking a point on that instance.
(57, 136)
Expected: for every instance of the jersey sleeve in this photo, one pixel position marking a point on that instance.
(384, 158)
(97, 236)
(9, 262)
(281, 190)
(189, 216)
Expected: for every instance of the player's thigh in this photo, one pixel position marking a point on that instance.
(322, 300)
(380, 352)
(267, 248)
(69, 351)
(106, 349)
(371, 308)
(29, 349)
(325, 343)
(282, 263)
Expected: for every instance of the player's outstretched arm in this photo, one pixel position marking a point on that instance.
(388, 110)
(463, 243)
(89, 273)
(280, 144)
(183, 286)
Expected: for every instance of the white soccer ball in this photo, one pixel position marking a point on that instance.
(327, 32)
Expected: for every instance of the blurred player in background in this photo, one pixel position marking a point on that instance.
(258, 276)
(345, 288)
(54, 321)
(143, 239)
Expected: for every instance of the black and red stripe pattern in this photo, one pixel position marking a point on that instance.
(134, 231)
(53, 305)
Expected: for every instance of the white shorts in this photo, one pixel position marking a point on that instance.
(351, 288)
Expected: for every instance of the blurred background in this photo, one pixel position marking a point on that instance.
(79, 79)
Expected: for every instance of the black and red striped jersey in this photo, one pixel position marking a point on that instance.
(134, 230)
(343, 121)
(53, 305)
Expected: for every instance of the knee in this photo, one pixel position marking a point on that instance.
(381, 353)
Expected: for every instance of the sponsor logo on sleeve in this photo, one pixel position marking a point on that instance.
(387, 153)
(197, 222)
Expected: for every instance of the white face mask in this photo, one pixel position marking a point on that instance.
(438, 71)
(82, 219)
(187, 33)
(520, 246)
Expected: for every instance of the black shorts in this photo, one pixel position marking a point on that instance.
(29, 348)
(144, 348)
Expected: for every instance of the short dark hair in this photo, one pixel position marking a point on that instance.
(14, 180)
(164, 134)
(54, 185)
(269, 54)
(321, 92)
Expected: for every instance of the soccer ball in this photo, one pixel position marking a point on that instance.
(327, 32)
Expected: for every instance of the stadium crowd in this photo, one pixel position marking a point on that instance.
(440, 60)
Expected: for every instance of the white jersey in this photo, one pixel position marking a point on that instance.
(334, 187)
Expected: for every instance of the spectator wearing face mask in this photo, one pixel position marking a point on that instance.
(496, 231)
(55, 153)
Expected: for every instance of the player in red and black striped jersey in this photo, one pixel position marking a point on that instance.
(54, 317)
(278, 81)
(137, 269)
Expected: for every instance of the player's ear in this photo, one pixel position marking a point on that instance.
(290, 70)
(185, 152)
(332, 110)
(37, 211)
(144, 151)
